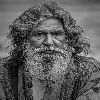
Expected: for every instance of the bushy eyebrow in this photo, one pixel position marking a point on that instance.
(46, 32)
(57, 31)
(37, 32)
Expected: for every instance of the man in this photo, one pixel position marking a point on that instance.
(45, 61)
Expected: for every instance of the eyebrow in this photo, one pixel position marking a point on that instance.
(44, 31)
(58, 31)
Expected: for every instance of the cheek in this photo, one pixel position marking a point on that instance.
(59, 43)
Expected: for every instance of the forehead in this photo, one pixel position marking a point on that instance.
(49, 24)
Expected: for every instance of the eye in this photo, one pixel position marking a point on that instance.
(59, 35)
(56, 33)
(38, 35)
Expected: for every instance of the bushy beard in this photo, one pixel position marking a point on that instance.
(47, 64)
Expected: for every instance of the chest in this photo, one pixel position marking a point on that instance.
(58, 92)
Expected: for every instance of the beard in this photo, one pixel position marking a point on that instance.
(48, 65)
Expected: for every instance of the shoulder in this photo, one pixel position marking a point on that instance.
(3, 73)
(90, 77)
(87, 64)
(3, 68)
(3, 61)
(89, 69)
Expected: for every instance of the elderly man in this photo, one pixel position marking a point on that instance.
(45, 61)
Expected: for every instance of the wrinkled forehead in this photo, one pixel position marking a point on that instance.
(49, 23)
(29, 19)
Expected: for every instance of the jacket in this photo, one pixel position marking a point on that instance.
(82, 80)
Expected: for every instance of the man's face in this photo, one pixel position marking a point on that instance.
(48, 32)
(48, 55)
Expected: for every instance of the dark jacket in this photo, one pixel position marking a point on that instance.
(81, 80)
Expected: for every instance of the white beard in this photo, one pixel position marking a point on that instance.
(48, 67)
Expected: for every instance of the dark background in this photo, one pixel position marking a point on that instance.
(85, 12)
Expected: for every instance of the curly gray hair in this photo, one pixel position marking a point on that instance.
(22, 26)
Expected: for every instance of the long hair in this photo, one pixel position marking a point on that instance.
(22, 26)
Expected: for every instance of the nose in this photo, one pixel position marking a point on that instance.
(48, 41)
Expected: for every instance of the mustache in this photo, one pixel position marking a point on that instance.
(49, 50)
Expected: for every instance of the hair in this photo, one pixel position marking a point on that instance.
(22, 26)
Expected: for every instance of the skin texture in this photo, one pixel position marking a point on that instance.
(48, 32)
